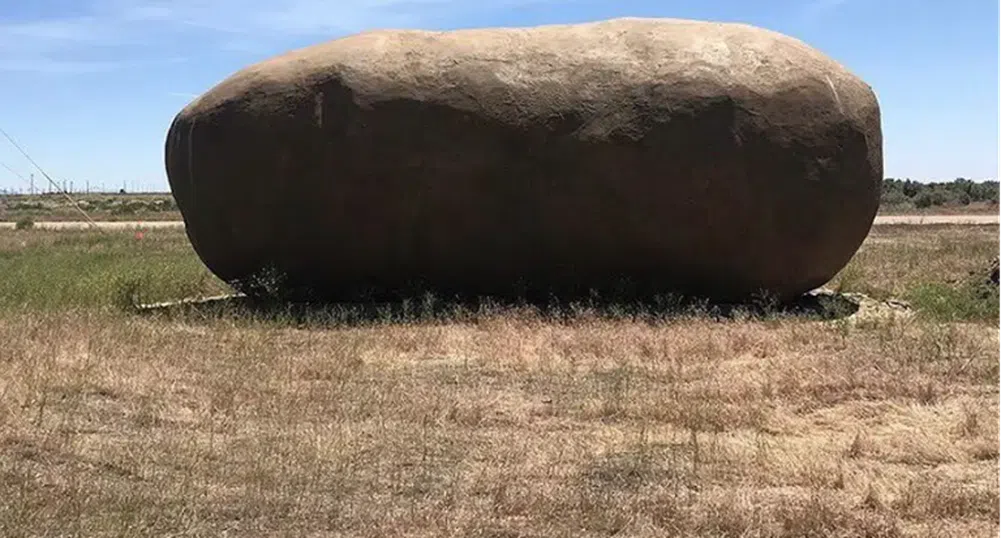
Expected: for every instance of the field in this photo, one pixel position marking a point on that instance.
(100, 207)
(162, 207)
(973, 208)
(497, 422)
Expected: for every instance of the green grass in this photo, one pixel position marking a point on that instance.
(939, 269)
(56, 270)
(930, 267)
(52, 270)
(966, 301)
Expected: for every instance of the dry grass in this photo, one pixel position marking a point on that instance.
(939, 269)
(896, 258)
(500, 426)
(506, 427)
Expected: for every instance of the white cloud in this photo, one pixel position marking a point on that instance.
(815, 10)
(108, 29)
(76, 29)
(147, 12)
(69, 45)
(59, 67)
(270, 18)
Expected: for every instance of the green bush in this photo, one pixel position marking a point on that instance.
(894, 198)
(929, 197)
(24, 223)
(896, 192)
(964, 302)
(125, 208)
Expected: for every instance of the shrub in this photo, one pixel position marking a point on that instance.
(24, 223)
(894, 198)
(928, 198)
(124, 208)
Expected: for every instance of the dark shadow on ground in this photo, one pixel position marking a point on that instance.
(428, 309)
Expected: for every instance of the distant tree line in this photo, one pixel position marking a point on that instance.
(961, 191)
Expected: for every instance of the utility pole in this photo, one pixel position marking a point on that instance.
(32, 181)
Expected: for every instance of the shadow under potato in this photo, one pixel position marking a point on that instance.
(428, 308)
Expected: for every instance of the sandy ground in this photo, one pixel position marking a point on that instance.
(882, 219)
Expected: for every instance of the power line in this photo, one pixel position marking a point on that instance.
(51, 182)
(12, 171)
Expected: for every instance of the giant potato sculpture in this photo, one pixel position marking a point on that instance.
(649, 155)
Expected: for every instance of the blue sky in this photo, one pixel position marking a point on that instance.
(89, 87)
